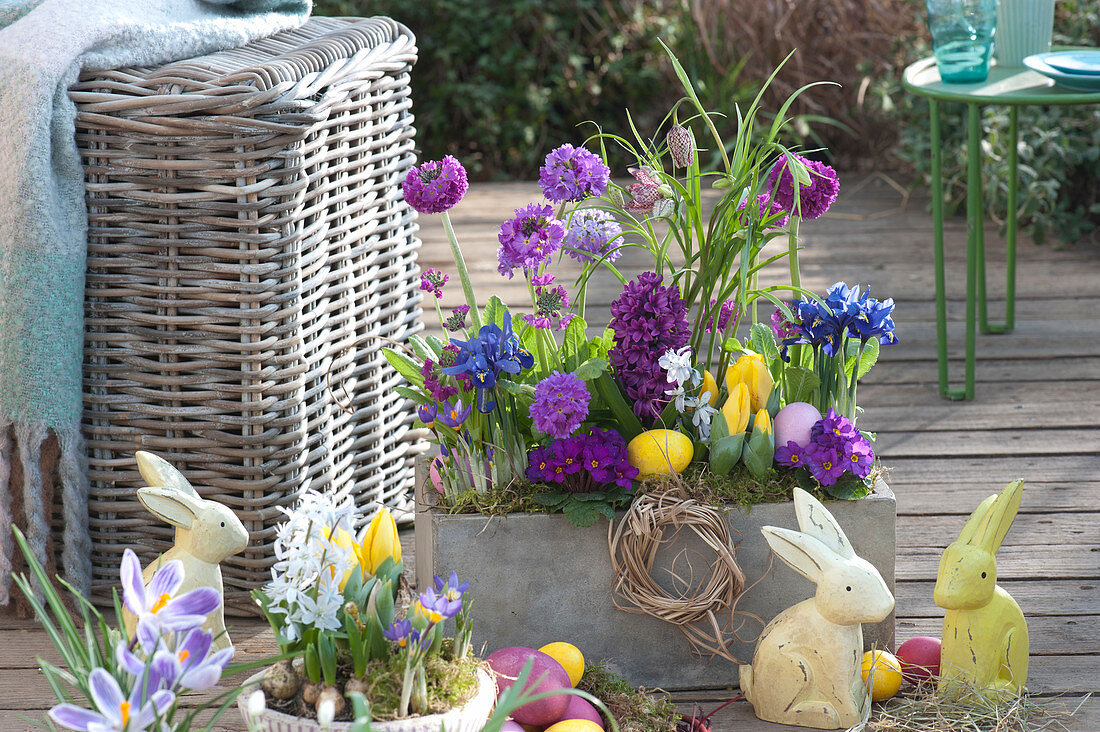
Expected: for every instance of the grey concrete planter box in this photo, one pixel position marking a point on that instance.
(534, 579)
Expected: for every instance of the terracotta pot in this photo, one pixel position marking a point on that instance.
(470, 717)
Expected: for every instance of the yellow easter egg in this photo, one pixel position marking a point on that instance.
(659, 452)
(570, 658)
(574, 725)
(888, 676)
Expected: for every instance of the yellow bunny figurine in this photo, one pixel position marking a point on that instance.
(985, 644)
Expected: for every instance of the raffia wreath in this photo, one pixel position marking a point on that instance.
(634, 544)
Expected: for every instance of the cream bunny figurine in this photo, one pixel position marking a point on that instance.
(985, 644)
(206, 533)
(806, 667)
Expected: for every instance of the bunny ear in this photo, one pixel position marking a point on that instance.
(1000, 516)
(977, 519)
(805, 554)
(159, 472)
(178, 509)
(816, 521)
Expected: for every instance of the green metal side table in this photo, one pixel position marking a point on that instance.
(1015, 87)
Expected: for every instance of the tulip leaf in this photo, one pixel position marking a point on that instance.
(404, 366)
(591, 369)
(628, 423)
(759, 453)
(800, 384)
(725, 452)
(719, 428)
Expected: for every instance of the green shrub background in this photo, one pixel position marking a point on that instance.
(499, 83)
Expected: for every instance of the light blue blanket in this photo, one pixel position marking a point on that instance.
(44, 45)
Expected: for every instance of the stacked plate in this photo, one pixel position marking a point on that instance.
(1077, 70)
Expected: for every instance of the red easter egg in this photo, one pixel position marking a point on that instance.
(920, 658)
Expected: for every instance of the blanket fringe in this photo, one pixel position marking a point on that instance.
(76, 553)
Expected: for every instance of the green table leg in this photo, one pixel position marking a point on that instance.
(937, 251)
(974, 240)
(1010, 239)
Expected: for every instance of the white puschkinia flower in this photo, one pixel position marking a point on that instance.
(678, 366)
(703, 416)
(256, 703)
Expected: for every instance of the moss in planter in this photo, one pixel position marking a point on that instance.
(518, 497)
(634, 709)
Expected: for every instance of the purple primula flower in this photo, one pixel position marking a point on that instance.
(593, 234)
(542, 280)
(648, 319)
(782, 327)
(560, 404)
(457, 319)
(792, 455)
(451, 589)
(813, 199)
(115, 711)
(437, 607)
(833, 430)
(548, 306)
(600, 460)
(432, 280)
(528, 240)
(572, 174)
(157, 606)
(453, 415)
(859, 457)
(571, 454)
(435, 186)
(825, 463)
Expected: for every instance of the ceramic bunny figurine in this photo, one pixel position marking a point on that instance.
(206, 533)
(806, 667)
(985, 645)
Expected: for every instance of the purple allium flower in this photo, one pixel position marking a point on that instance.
(792, 455)
(681, 146)
(432, 280)
(648, 319)
(782, 327)
(645, 193)
(728, 310)
(529, 239)
(815, 198)
(457, 319)
(572, 174)
(435, 186)
(548, 306)
(560, 405)
(768, 208)
(594, 233)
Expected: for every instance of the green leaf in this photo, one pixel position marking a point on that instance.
(762, 340)
(575, 344)
(591, 369)
(421, 348)
(494, 311)
(759, 453)
(725, 453)
(847, 488)
(404, 366)
(719, 428)
(417, 396)
(801, 383)
(732, 344)
(580, 513)
(628, 423)
(553, 500)
(436, 345)
(523, 391)
(868, 359)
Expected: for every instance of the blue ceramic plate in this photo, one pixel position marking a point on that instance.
(1085, 63)
(1076, 82)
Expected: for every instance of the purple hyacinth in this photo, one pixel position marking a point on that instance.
(728, 310)
(594, 234)
(560, 405)
(648, 319)
(528, 239)
(813, 199)
(436, 185)
(573, 174)
(432, 280)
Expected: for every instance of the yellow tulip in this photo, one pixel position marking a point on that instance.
(710, 386)
(751, 371)
(379, 542)
(736, 409)
(344, 540)
(763, 422)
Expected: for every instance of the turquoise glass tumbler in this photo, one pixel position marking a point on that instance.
(962, 38)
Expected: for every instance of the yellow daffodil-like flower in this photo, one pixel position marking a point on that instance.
(736, 409)
(751, 371)
(379, 542)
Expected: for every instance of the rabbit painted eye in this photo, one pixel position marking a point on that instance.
(223, 526)
(983, 575)
(849, 588)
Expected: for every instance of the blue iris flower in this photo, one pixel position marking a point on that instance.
(844, 310)
(484, 358)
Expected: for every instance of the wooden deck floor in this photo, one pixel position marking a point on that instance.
(1036, 416)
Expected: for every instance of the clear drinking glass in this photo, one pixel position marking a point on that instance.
(962, 37)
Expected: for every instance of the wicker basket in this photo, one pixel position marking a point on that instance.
(249, 254)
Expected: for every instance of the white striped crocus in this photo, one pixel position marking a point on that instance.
(160, 607)
(115, 710)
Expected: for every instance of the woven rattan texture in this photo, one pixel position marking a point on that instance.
(249, 254)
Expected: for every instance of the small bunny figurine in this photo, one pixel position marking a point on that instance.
(985, 645)
(806, 667)
(206, 533)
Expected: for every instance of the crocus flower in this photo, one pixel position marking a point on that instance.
(379, 542)
(401, 632)
(737, 408)
(191, 665)
(451, 588)
(115, 711)
(427, 414)
(751, 370)
(158, 607)
(437, 607)
(453, 415)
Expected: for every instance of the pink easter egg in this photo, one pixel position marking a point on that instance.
(793, 423)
